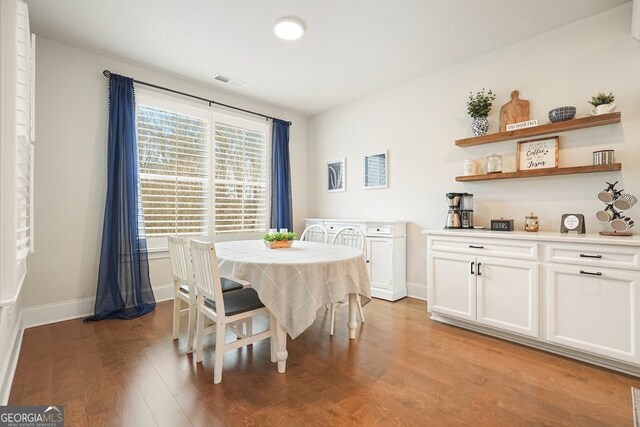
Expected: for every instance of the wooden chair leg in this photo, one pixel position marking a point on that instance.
(191, 327)
(333, 318)
(219, 357)
(249, 328)
(176, 317)
(199, 332)
(360, 309)
(274, 344)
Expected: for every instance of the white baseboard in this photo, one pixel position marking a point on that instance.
(74, 309)
(11, 361)
(417, 290)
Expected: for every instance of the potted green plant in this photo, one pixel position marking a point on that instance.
(278, 240)
(478, 107)
(603, 103)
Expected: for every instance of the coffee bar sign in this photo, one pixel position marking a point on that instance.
(537, 154)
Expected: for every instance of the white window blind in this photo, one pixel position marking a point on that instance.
(173, 159)
(240, 178)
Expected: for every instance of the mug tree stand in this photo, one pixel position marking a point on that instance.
(616, 233)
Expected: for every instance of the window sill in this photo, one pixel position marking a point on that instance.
(158, 253)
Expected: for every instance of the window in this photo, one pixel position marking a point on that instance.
(201, 173)
(240, 177)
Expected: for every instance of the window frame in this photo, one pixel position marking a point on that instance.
(157, 246)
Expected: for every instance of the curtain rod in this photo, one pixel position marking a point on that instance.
(211, 102)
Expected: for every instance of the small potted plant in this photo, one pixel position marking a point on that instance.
(603, 103)
(278, 240)
(478, 108)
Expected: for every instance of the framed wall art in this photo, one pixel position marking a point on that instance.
(336, 175)
(374, 172)
(539, 153)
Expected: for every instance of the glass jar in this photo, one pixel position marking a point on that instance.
(494, 163)
(531, 223)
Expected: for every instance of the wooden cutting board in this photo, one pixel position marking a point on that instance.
(514, 111)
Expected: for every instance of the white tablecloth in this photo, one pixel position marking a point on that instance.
(293, 283)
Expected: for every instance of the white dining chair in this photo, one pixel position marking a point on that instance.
(223, 308)
(184, 289)
(315, 233)
(354, 237)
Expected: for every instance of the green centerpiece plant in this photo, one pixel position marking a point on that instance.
(279, 240)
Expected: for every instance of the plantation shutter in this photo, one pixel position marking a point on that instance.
(24, 134)
(240, 178)
(173, 159)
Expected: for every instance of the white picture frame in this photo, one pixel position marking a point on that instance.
(337, 175)
(375, 170)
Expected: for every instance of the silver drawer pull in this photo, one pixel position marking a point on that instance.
(476, 247)
(590, 256)
(597, 273)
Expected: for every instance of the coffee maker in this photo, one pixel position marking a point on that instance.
(466, 210)
(460, 213)
(453, 216)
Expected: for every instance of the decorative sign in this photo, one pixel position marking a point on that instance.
(336, 173)
(522, 125)
(537, 154)
(572, 222)
(502, 224)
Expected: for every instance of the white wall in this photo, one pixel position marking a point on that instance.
(70, 171)
(419, 121)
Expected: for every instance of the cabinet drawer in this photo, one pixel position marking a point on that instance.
(378, 229)
(515, 249)
(593, 255)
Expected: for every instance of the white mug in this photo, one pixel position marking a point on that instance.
(606, 215)
(625, 201)
(603, 109)
(622, 224)
(607, 196)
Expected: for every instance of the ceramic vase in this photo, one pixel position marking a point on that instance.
(480, 126)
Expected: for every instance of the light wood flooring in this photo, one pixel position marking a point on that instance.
(403, 369)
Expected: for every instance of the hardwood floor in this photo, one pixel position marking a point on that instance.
(402, 369)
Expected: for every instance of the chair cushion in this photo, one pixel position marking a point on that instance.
(229, 284)
(236, 302)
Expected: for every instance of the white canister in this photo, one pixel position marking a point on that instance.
(470, 167)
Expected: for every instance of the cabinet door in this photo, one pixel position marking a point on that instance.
(451, 286)
(380, 262)
(508, 294)
(596, 310)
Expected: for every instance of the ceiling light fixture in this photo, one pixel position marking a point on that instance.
(289, 28)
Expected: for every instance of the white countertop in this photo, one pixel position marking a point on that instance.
(551, 236)
(360, 221)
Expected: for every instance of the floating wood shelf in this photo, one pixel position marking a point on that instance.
(581, 123)
(542, 172)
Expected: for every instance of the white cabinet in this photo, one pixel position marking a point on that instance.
(451, 285)
(574, 295)
(493, 291)
(508, 294)
(594, 309)
(385, 253)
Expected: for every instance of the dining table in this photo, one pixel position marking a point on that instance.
(293, 283)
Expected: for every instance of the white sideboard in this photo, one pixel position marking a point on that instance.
(385, 252)
(576, 295)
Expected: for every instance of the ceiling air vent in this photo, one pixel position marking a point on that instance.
(229, 80)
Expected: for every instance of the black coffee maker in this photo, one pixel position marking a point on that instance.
(460, 213)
